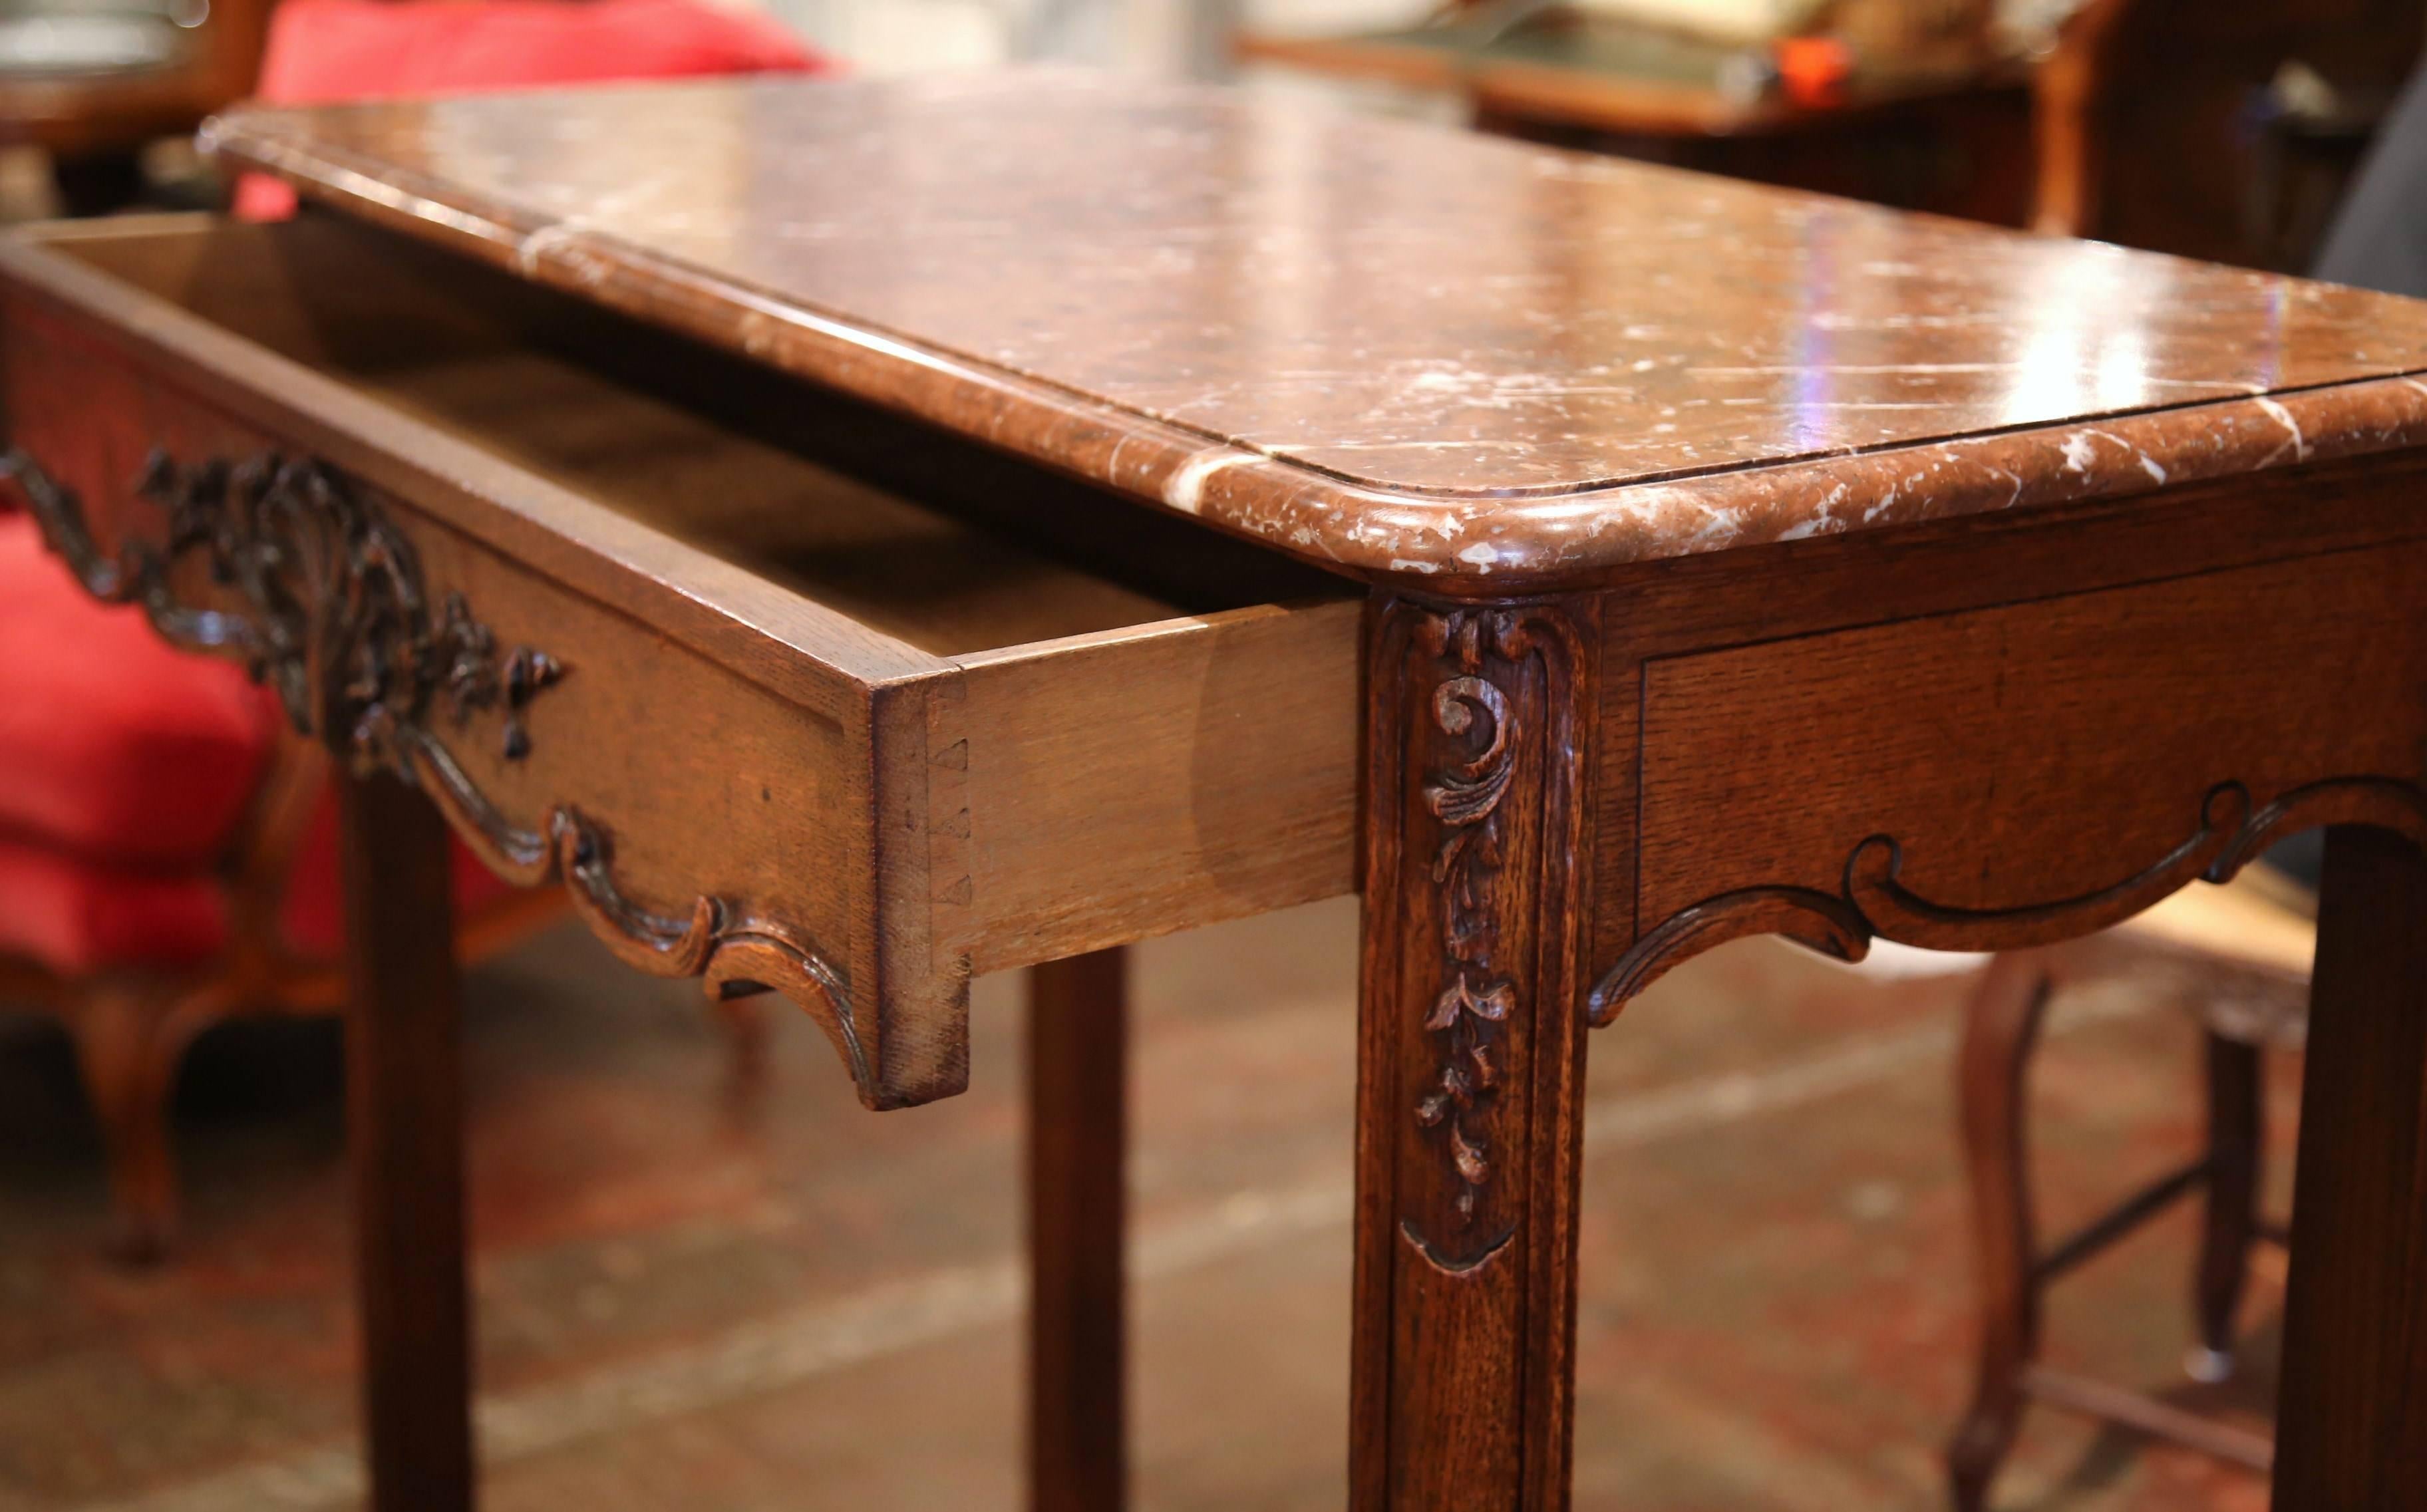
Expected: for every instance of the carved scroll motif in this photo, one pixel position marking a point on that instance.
(1873, 901)
(1475, 999)
(337, 620)
(1505, 738)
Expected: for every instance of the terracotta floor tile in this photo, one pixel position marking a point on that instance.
(697, 1301)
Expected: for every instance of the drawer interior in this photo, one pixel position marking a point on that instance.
(899, 524)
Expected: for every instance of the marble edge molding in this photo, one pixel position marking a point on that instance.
(1460, 542)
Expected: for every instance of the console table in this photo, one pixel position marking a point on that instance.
(854, 536)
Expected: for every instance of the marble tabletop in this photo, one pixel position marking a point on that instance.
(1396, 351)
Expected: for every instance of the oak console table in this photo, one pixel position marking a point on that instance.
(856, 536)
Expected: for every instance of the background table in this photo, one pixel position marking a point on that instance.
(1948, 132)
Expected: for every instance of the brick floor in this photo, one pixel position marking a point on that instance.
(694, 1301)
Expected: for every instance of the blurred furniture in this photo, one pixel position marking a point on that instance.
(2241, 957)
(984, 521)
(1944, 129)
(2151, 123)
(93, 81)
(2308, 159)
(168, 860)
(2159, 123)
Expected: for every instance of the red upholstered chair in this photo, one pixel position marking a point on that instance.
(168, 851)
(324, 50)
(167, 858)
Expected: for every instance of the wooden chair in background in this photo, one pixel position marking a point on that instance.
(2242, 954)
(132, 1021)
(168, 861)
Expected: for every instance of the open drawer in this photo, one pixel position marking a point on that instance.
(789, 693)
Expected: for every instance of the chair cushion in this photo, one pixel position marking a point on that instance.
(325, 50)
(113, 745)
(74, 916)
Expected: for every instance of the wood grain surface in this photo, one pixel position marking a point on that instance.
(789, 767)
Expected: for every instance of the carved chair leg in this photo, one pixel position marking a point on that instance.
(1077, 1075)
(1471, 1057)
(127, 1049)
(2000, 1030)
(404, 1105)
(2236, 1135)
(2351, 1424)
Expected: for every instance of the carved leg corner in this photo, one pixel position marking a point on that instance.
(2000, 1030)
(1470, 1054)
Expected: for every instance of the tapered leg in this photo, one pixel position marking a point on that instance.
(2351, 1431)
(403, 1080)
(747, 1033)
(2000, 1028)
(2236, 1131)
(1078, 1095)
(1471, 1055)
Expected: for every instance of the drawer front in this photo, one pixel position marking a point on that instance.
(703, 823)
(731, 779)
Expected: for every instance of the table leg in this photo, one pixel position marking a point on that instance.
(404, 1109)
(1078, 1093)
(1471, 1060)
(2352, 1427)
